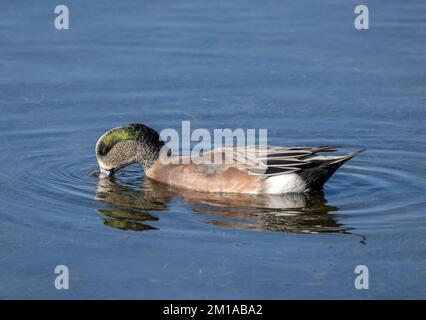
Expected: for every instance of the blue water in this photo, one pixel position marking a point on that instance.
(296, 68)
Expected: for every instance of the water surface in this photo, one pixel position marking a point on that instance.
(297, 68)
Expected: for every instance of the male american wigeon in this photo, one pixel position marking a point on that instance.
(270, 170)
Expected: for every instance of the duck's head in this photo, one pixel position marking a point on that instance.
(127, 144)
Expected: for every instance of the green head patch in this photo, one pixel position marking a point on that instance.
(114, 136)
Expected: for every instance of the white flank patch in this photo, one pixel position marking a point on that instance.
(285, 183)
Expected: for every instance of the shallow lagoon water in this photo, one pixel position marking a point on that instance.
(298, 69)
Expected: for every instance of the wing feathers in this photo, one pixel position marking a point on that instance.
(271, 161)
(275, 161)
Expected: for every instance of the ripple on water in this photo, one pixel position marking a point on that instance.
(368, 188)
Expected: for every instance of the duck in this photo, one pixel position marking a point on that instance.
(248, 170)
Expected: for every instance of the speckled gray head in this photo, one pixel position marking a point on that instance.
(127, 144)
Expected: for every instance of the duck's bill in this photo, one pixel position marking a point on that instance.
(106, 172)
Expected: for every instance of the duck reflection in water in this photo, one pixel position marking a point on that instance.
(132, 209)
